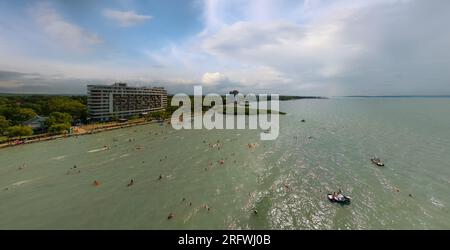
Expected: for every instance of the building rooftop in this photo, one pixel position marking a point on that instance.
(124, 85)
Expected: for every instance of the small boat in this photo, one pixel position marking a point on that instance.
(339, 198)
(377, 162)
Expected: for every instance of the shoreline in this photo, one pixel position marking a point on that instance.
(85, 130)
(103, 128)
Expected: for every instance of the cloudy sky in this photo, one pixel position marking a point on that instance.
(310, 47)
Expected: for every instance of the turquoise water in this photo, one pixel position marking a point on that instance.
(285, 180)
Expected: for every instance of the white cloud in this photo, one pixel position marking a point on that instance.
(67, 34)
(346, 47)
(126, 18)
(214, 78)
(316, 47)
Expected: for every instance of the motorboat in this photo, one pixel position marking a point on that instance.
(377, 162)
(339, 198)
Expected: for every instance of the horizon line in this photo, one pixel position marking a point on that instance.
(170, 94)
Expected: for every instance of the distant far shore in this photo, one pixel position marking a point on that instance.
(397, 96)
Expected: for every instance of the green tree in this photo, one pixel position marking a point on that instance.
(59, 128)
(4, 125)
(8, 112)
(3, 100)
(17, 115)
(36, 107)
(59, 117)
(67, 105)
(24, 114)
(19, 130)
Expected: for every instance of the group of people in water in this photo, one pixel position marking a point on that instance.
(221, 161)
(73, 170)
(216, 145)
(184, 200)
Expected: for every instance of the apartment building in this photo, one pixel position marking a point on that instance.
(106, 102)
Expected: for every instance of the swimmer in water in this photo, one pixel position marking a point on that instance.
(160, 177)
(131, 183)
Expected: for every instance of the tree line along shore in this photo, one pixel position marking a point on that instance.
(67, 115)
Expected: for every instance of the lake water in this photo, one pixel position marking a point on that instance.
(285, 180)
